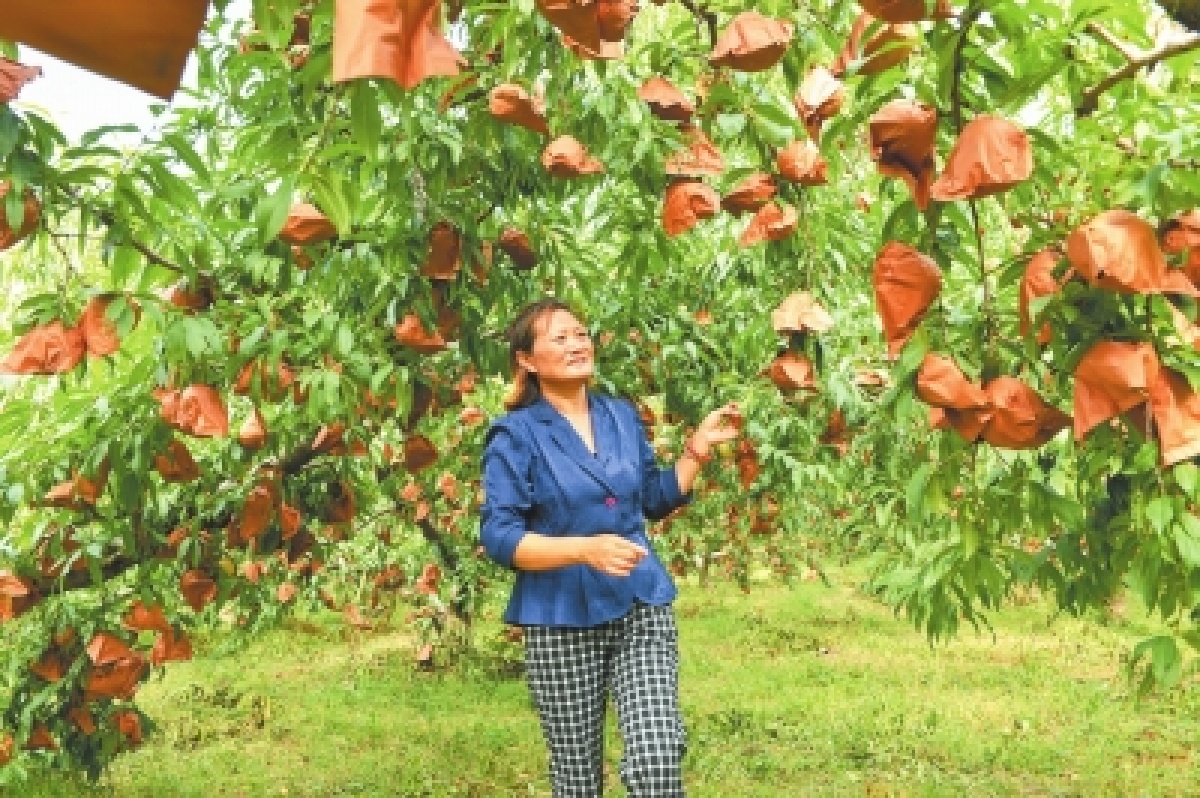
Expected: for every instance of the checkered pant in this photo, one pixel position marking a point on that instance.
(572, 670)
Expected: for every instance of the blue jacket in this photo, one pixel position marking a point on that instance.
(538, 476)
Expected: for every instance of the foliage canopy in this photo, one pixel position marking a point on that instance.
(134, 513)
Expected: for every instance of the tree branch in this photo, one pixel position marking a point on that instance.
(109, 219)
(447, 556)
(1091, 97)
(707, 17)
(295, 462)
(1130, 51)
(115, 566)
(326, 127)
(77, 580)
(431, 534)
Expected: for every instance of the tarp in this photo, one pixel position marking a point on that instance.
(144, 43)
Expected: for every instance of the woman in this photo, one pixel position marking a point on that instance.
(569, 479)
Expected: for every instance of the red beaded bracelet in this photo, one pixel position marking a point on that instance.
(690, 450)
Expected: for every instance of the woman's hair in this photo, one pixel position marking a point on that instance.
(520, 334)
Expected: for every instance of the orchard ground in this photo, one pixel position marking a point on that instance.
(803, 690)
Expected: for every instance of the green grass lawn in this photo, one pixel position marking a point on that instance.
(808, 691)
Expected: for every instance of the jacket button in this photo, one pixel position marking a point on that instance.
(610, 501)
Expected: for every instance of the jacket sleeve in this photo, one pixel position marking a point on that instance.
(660, 486)
(508, 492)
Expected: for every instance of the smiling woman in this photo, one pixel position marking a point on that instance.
(570, 479)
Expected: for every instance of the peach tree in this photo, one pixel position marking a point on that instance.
(257, 353)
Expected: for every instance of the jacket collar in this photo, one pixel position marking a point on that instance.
(569, 442)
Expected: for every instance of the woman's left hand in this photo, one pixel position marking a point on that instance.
(722, 424)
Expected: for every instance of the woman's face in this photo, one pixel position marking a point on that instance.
(562, 350)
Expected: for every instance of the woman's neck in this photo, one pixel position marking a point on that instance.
(567, 399)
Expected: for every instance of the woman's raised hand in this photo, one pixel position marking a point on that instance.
(722, 424)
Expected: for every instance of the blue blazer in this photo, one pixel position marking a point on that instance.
(538, 476)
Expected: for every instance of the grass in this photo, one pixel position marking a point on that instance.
(810, 690)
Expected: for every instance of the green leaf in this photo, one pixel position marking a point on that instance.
(128, 488)
(273, 209)
(730, 125)
(10, 131)
(914, 495)
(366, 122)
(1069, 512)
(1145, 460)
(969, 535)
(48, 135)
(1037, 305)
(1187, 476)
(1159, 512)
(332, 197)
(901, 221)
(345, 340)
(1187, 540)
(1166, 661)
(187, 153)
(14, 209)
(250, 342)
(201, 337)
(1147, 188)
(775, 126)
(912, 355)
(92, 136)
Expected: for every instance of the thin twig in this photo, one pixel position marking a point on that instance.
(1091, 97)
(74, 236)
(62, 252)
(956, 84)
(110, 220)
(956, 101)
(491, 209)
(330, 117)
(989, 339)
(705, 16)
